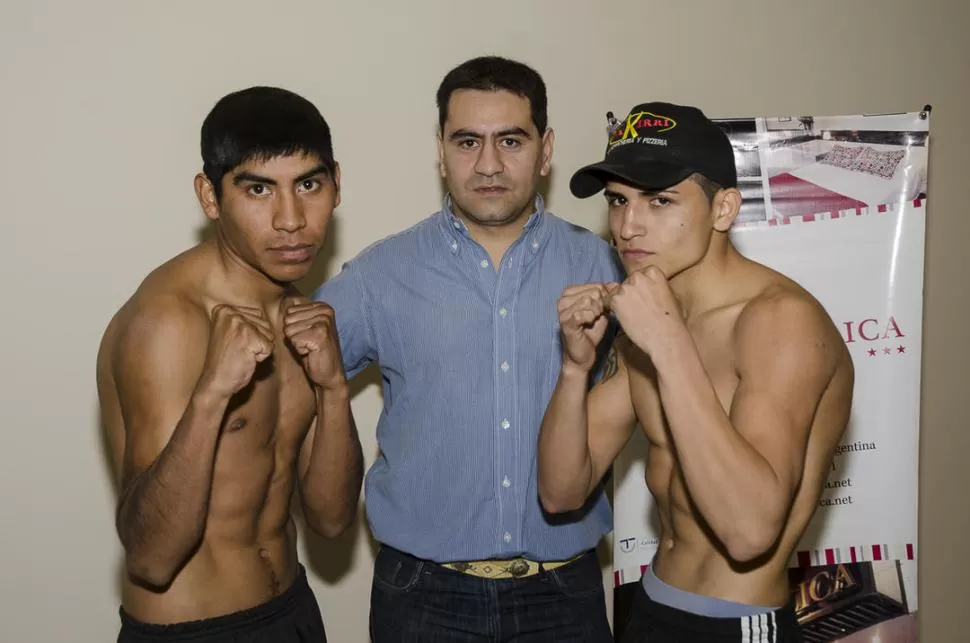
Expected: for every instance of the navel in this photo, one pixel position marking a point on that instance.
(237, 424)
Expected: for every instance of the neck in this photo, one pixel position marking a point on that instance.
(701, 287)
(496, 239)
(240, 283)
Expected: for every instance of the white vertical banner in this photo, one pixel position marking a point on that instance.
(839, 205)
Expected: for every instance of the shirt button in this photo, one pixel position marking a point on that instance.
(507, 537)
(484, 263)
(503, 312)
(505, 367)
(456, 224)
(454, 245)
(505, 425)
(535, 245)
(506, 483)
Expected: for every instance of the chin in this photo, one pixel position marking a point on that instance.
(632, 265)
(289, 274)
(493, 212)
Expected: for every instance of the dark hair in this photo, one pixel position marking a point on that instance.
(260, 123)
(494, 73)
(709, 187)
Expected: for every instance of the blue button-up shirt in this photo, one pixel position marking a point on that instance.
(469, 357)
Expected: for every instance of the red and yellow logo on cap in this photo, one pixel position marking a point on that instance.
(641, 124)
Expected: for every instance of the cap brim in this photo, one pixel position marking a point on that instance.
(647, 175)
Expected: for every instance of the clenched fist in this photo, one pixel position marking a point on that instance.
(583, 318)
(311, 330)
(647, 308)
(239, 339)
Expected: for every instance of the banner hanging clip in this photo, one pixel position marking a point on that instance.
(926, 112)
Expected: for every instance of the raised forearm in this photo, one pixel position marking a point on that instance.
(330, 485)
(732, 484)
(161, 515)
(564, 461)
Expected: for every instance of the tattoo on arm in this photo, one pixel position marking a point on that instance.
(610, 366)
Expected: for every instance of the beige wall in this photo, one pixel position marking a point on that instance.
(100, 107)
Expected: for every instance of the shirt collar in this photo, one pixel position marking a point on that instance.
(532, 232)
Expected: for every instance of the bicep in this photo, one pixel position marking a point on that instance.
(783, 368)
(158, 360)
(610, 414)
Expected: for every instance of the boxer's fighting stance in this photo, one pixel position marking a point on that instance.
(222, 389)
(737, 376)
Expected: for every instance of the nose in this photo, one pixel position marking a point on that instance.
(630, 224)
(288, 216)
(489, 162)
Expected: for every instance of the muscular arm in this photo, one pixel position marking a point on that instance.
(331, 465)
(171, 429)
(742, 470)
(582, 433)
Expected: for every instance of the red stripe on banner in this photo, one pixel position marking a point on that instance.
(808, 218)
(786, 220)
(909, 551)
(643, 568)
(772, 223)
(882, 208)
(804, 559)
(829, 557)
(852, 554)
(918, 203)
(858, 212)
(617, 581)
(876, 552)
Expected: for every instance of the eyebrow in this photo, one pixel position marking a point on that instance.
(255, 178)
(510, 131)
(610, 193)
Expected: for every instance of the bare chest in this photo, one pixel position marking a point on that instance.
(713, 341)
(274, 411)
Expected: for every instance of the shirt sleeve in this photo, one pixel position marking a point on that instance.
(346, 294)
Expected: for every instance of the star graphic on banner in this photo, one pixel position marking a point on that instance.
(887, 351)
(900, 349)
(872, 352)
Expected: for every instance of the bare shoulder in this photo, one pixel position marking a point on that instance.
(161, 330)
(783, 321)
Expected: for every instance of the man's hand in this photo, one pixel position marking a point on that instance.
(239, 339)
(310, 328)
(646, 307)
(583, 318)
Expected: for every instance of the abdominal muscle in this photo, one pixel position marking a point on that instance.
(690, 558)
(248, 552)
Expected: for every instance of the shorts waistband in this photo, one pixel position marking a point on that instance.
(661, 592)
(272, 609)
(764, 626)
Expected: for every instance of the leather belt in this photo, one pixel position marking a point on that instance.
(511, 568)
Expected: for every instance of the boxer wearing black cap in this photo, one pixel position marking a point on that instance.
(737, 375)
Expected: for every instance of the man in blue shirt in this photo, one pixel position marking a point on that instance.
(460, 312)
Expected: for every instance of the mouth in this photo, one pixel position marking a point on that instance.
(491, 190)
(636, 255)
(296, 253)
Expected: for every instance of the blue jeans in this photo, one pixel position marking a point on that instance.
(414, 600)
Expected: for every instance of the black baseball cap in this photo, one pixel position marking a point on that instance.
(659, 145)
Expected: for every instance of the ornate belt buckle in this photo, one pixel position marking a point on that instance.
(518, 568)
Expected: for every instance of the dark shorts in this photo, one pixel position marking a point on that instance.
(653, 622)
(291, 617)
